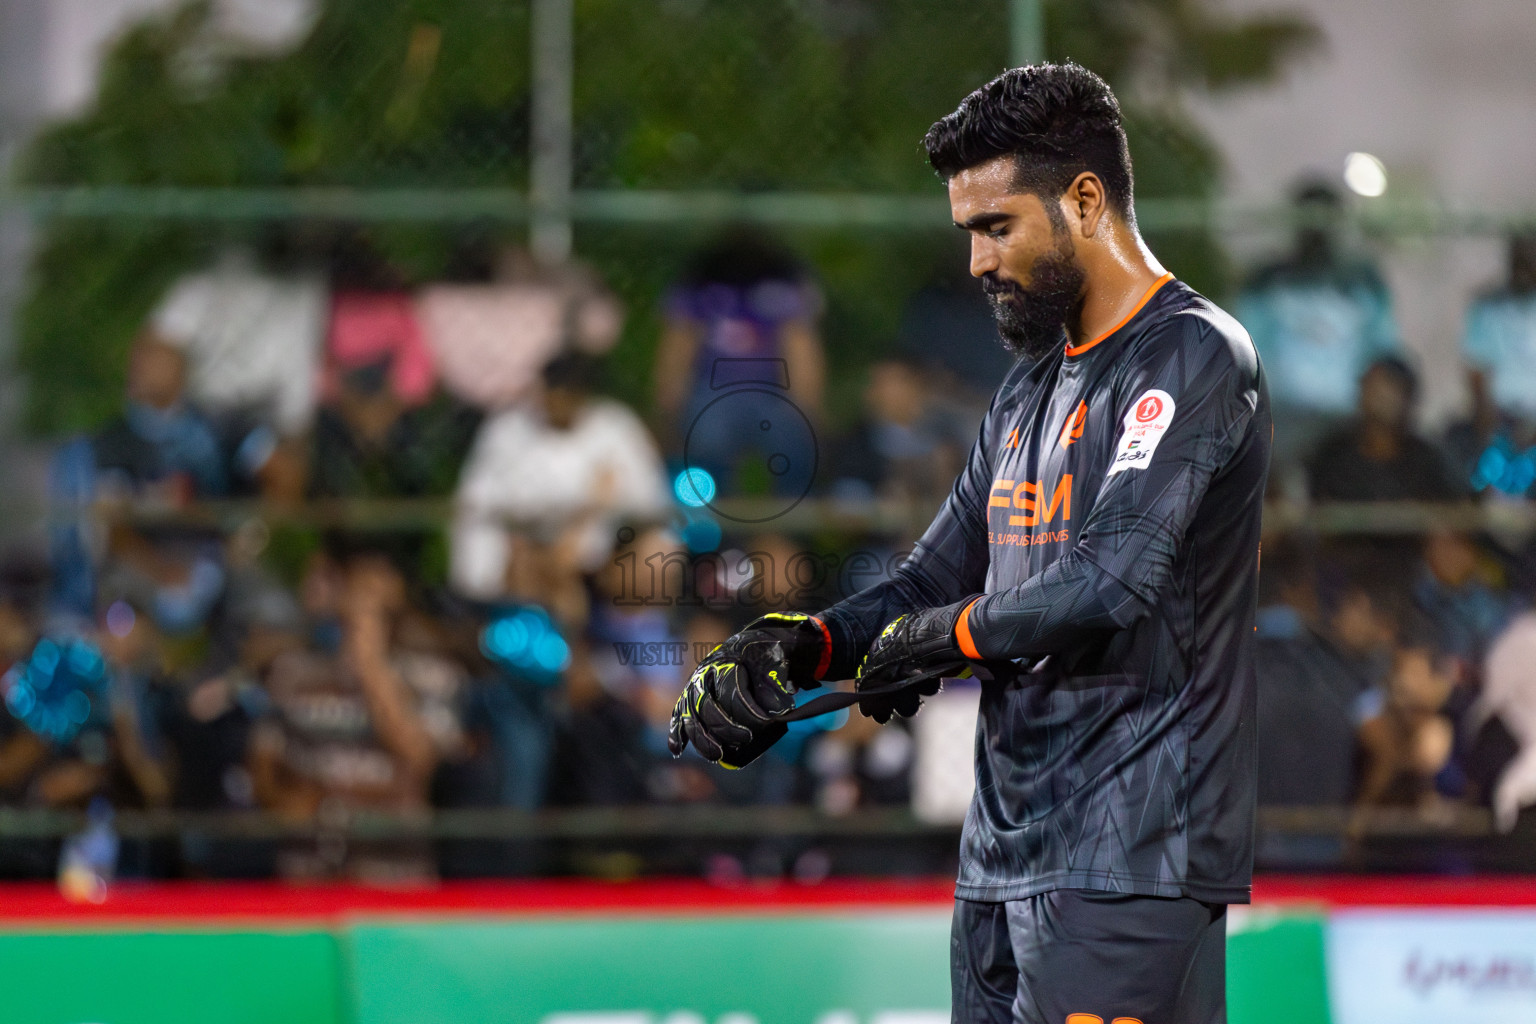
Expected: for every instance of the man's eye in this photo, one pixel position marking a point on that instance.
(997, 232)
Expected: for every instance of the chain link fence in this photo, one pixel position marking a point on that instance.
(286, 313)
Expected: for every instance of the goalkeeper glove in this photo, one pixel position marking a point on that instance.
(729, 708)
(920, 645)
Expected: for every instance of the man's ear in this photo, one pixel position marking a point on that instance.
(1086, 202)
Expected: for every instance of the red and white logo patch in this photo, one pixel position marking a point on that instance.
(1144, 427)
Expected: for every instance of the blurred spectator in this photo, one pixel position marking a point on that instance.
(1465, 612)
(175, 574)
(601, 757)
(493, 328)
(1408, 743)
(636, 656)
(380, 329)
(364, 728)
(1307, 688)
(380, 433)
(373, 323)
(1363, 622)
(905, 446)
(1496, 447)
(251, 327)
(544, 489)
(1318, 320)
(1378, 457)
(160, 446)
(159, 450)
(80, 721)
(135, 666)
(369, 443)
(253, 595)
(744, 316)
(511, 726)
(625, 675)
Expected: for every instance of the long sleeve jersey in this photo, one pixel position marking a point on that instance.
(1108, 518)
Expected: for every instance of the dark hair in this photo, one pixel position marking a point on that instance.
(1400, 371)
(1056, 120)
(743, 255)
(1318, 192)
(572, 371)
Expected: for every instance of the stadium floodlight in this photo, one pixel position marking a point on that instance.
(1365, 175)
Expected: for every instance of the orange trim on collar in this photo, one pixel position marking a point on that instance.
(963, 632)
(1077, 350)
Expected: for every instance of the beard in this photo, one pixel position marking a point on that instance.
(1030, 321)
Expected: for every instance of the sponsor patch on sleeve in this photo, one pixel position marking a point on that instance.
(1144, 427)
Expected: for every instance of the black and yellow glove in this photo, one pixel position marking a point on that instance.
(920, 645)
(730, 707)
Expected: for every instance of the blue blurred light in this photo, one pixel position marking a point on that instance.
(45, 657)
(83, 660)
(1522, 472)
(59, 689)
(20, 699)
(77, 707)
(694, 487)
(508, 638)
(551, 652)
(527, 642)
(1504, 469)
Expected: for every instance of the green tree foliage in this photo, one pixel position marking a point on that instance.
(813, 95)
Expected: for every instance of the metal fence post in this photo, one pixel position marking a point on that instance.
(1026, 31)
(550, 162)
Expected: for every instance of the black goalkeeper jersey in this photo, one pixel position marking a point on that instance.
(1108, 517)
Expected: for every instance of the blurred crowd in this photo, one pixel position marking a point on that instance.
(359, 544)
(1389, 660)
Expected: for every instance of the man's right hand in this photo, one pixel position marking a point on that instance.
(730, 707)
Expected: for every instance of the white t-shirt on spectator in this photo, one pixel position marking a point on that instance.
(523, 470)
(252, 340)
(1509, 690)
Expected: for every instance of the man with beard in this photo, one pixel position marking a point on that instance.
(1096, 565)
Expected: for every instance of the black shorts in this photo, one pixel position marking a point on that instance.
(1077, 956)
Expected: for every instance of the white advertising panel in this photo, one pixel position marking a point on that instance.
(1432, 966)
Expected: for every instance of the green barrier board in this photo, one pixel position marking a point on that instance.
(1276, 971)
(824, 969)
(169, 977)
(833, 968)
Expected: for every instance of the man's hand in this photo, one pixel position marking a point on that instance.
(729, 708)
(920, 645)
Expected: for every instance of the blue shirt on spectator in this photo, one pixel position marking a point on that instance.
(1501, 341)
(1316, 330)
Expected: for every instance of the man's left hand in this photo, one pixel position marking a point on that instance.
(920, 645)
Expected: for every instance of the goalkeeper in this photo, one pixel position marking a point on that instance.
(1097, 559)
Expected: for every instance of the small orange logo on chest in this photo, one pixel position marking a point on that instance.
(1072, 430)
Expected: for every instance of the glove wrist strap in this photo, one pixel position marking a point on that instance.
(824, 656)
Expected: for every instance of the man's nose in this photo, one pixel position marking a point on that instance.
(983, 256)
